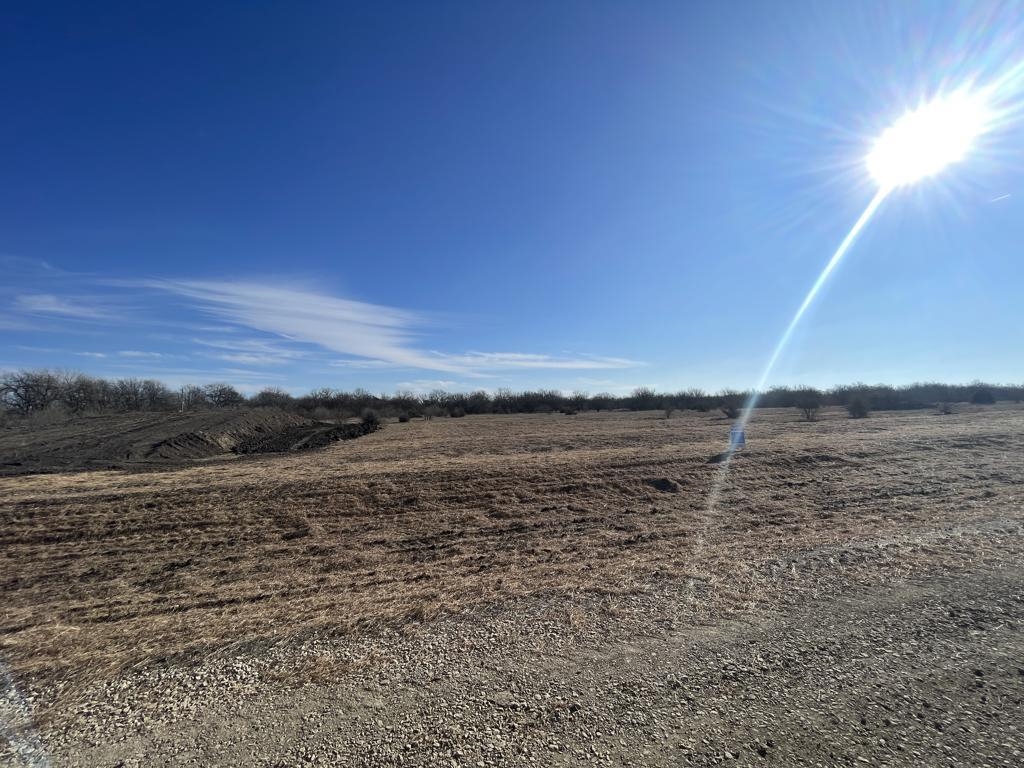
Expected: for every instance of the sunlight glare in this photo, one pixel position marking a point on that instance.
(927, 139)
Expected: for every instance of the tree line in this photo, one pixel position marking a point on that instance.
(35, 391)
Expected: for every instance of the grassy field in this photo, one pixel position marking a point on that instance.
(103, 570)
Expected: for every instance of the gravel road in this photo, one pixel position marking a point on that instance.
(922, 672)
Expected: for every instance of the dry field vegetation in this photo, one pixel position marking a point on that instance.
(106, 570)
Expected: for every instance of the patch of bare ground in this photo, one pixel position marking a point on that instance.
(146, 441)
(546, 544)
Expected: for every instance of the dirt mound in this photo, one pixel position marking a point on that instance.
(121, 440)
(303, 437)
(663, 484)
(259, 427)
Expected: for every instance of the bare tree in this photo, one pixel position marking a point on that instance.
(81, 394)
(29, 391)
(156, 397)
(858, 407)
(478, 402)
(578, 400)
(128, 394)
(222, 395)
(643, 399)
(271, 397)
(808, 400)
(191, 397)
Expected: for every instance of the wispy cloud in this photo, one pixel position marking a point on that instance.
(48, 304)
(196, 374)
(140, 355)
(372, 335)
(340, 325)
(8, 323)
(362, 364)
(520, 360)
(96, 355)
(265, 324)
(251, 351)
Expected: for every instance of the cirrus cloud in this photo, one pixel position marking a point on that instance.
(369, 335)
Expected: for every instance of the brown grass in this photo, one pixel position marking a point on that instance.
(105, 570)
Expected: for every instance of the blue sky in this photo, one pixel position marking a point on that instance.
(580, 195)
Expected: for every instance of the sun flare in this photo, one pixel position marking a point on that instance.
(926, 140)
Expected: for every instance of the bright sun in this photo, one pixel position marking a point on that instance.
(926, 140)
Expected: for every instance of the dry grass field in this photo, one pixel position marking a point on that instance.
(108, 571)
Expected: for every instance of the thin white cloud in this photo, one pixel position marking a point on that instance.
(370, 335)
(140, 355)
(341, 325)
(520, 360)
(248, 358)
(361, 364)
(8, 323)
(192, 375)
(251, 351)
(216, 328)
(97, 355)
(48, 304)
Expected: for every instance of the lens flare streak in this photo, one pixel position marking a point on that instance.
(844, 246)
(920, 144)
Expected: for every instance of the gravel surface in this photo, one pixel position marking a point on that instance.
(925, 672)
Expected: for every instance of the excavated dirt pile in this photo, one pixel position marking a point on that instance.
(303, 437)
(141, 439)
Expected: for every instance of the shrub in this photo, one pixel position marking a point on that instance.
(983, 396)
(55, 413)
(371, 419)
(944, 409)
(643, 399)
(403, 418)
(457, 412)
(857, 407)
(808, 401)
(730, 403)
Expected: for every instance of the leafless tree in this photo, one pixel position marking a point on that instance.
(191, 397)
(128, 394)
(271, 397)
(29, 391)
(808, 400)
(156, 396)
(222, 395)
